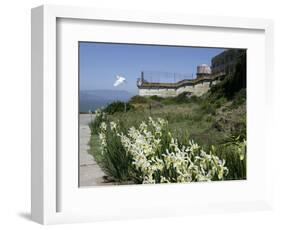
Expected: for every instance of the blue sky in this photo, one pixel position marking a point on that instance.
(101, 62)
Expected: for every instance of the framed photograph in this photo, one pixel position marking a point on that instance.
(140, 114)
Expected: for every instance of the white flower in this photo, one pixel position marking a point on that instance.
(103, 127)
(113, 125)
(176, 164)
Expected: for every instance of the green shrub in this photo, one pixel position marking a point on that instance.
(219, 102)
(208, 108)
(182, 98)
(117, 106)
(156, 98)
(209, 119)
(138, 100)
(239, 98)
(194, 99)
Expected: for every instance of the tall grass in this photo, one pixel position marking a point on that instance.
(234, 152)
(113, 159)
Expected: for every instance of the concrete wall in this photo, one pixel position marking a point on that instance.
(158, 92)
(197, 90)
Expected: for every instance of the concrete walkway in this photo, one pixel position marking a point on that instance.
(90, 173)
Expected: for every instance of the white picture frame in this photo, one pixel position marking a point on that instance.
(53, 203)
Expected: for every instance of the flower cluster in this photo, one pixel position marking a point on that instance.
(100, 114)
(143, 144)
(192, 163)
(157, 157)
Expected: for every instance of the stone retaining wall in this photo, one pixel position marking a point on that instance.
(196, 89)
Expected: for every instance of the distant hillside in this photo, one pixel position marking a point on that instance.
(93, 99)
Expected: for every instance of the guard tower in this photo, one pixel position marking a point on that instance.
(203, 71)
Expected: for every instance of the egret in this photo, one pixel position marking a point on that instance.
(119, 80)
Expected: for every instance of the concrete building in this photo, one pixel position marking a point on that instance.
(206, 76)
(226, 61)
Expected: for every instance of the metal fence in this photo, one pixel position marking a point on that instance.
(165, 77)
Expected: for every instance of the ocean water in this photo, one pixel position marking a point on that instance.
(90, 100)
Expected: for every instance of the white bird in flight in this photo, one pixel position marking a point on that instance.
(119, 80)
